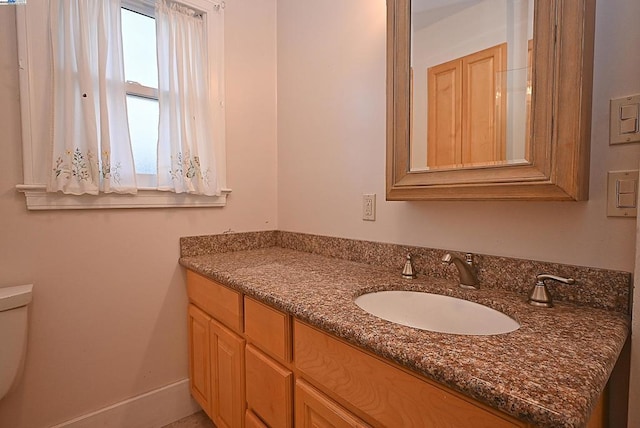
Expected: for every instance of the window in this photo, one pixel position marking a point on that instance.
(140, 63)
(141, 74)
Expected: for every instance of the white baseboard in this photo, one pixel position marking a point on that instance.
(151, 410)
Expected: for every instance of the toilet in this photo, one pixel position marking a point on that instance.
(14, 302)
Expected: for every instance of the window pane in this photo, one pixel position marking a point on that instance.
(139, 44)
(143, 127)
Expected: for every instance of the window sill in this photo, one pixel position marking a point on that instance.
(39, 199)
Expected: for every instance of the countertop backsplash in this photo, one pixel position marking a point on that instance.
(594, 287)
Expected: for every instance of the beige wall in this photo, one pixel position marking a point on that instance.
(634, 390)
(102, 334)
(108, 319)
(331, 147)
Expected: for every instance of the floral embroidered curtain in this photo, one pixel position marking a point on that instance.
(91, 147)
(91, 150)
(186, 158)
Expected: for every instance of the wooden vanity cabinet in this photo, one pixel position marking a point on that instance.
(216, 350)
(216, 369)
(384, 394)
(220, 302)
(268, 329)
(227, 376)
(248, 361)
(199, 358)
(253, 421)
(269, 389)
(269, 378)
(313, 409)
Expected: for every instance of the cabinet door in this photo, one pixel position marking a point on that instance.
(315, 410)
(199, 362)
(386, 395)
(444, 122)
(484, 106)
(269, 389)
(466, 122)
(227, 376)
(253, 421)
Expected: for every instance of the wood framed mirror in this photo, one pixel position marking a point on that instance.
(555, 165)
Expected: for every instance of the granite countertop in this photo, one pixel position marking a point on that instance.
(550, 372)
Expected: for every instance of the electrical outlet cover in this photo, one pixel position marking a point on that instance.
(369, 207)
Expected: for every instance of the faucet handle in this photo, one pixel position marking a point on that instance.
(468, 257)
(544, 276)
(540, 295)
(408, 271)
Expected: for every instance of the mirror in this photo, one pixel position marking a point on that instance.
(489, 99)
(470, 82)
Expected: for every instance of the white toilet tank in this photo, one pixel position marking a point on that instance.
(13, 333)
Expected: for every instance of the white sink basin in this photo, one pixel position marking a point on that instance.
(435, 312)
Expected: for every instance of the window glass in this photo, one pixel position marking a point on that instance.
(139, 46)
(143, 128)
(140, 65)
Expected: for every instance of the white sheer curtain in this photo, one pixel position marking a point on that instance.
(186, 158)
(91, 150)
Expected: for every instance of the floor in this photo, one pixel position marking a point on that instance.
(197, 420)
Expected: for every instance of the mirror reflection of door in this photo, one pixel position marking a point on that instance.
(466, 110)
(527, 146)
(470, 83)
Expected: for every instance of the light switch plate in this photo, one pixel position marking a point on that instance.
(622, 194)
(624, 117)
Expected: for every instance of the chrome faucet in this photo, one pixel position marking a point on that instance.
(465, 269)
(540, 295)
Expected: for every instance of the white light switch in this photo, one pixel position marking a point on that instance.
(626, 193)
(627, 200)
(622, 194)
(629, 111)
(626, 186)
(628, 126)
(624, 124)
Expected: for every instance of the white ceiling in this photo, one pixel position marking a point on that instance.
(427, 12)
(418, 6)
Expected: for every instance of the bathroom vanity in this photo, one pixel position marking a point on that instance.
(276, 340)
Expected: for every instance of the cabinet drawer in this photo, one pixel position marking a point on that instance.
(220, 302)
(268, 329)
(314, 409)
(388, 395)
(269, 389)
